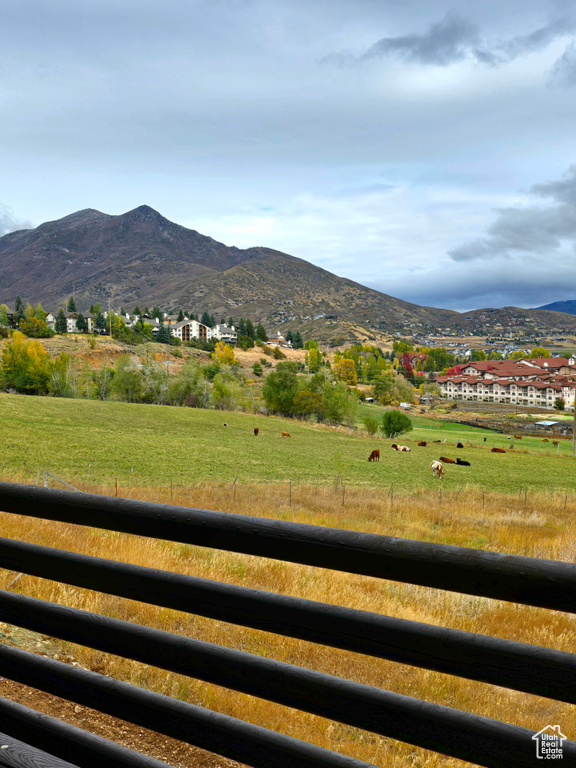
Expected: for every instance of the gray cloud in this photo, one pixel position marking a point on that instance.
(563, 73)
(455, 38)
(8, 223)
(447, 41)
(532, 230)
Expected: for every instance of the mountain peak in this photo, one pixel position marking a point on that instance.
(144, 213)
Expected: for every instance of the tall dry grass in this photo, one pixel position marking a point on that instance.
(538, 525)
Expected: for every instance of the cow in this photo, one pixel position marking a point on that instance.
(375, 455)
(224, 425)
(256, 430)
(423, 443)
(498, 450)
(437, 469)
(554, 442)
(545, 440)
(517, 437)
(459, 445)
(462, 463)
(446, 460)
(286, 434)
(401, 448)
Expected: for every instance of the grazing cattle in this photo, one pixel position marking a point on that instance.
(517, 437)
(545, 440)
(256, 430)
(498, 450)
(554, 442)
(459, 445)
(286, 434)
(423, 443)
(462, 463)
(375, 455)
(402, 448)
(437, 469)
(446, 460)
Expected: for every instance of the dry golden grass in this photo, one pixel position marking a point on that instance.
(543, 528)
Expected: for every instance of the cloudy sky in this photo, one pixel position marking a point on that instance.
(425, 149)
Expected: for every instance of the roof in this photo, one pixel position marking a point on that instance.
(546, 423)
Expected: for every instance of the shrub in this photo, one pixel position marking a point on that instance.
(371, 424)
(395, 423)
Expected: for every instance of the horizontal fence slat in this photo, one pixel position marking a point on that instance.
(469, 737)
(226, 736)
(524, 667)
(18, 754)
(544, 583)
(81, 748)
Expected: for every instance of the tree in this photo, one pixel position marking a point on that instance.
(136, 312)
(72, 305)
(35, 328)
(371, 424)
(19, 310)
(559, 404)
(81, 323)
(297, 342)
(339, 404)
(4, 316)
(61, 325)
(307, 403)
(163, 336)
(224, 354)
(477, 355)
(290, 337)
(39, 313)
(250, 332)
(127, 381)
(345, 370)
(261, 332)
(180, 316)
(206, 319)
(540, 352)
(395, 423)
(25, 365)
(241, 330)
(280, 388)
(230, 321)
(99, 322)
(257, 369)
(157, 313)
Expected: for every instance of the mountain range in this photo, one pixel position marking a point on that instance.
(142, 258)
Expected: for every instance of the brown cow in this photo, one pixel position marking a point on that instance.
(446, 460)
(517, 437)
(286, 434)
(545, 440)
(422, 443)
(498, 450)
(554, 442)
(256, 430)
(375, 455)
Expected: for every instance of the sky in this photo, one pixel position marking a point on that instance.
(427, 150)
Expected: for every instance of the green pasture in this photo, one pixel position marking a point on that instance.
(152, 445)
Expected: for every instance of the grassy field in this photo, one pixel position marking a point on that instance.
(147, 445)
(482, 506)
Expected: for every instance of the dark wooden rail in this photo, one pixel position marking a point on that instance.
(481, 740)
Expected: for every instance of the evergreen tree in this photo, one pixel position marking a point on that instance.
(290, 337)
(157, 312)
(261, 332)
(250, 329)
(163, 336)
(100, 321)
(206, 320)
(241, 327)
(230, 321)
(81, 323)
(72, 305)
(212, 321)
(137, 312)
(19, 314)
(60, 326)
(297, 341)
(222, 321)
(180, 316)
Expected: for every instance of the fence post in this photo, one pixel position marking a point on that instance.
(290, 487)
(343, 492)
(45, 478)
(234, 488)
